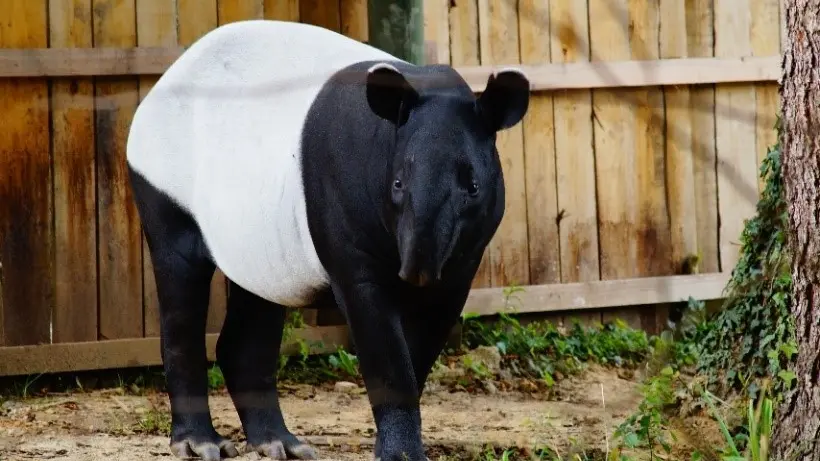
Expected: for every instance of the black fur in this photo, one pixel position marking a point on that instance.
(430, 228)
(404, 190)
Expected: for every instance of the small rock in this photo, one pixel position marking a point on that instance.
(489, 386)
(345, 386)
(488, 356)
(626, 374)
(445, 375)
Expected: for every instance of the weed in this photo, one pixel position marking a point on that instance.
(154, 422)
(647, 426)
(215, 378)
(540, 350)
(344, 361)
(754, 331)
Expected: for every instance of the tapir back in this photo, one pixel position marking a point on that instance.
(220, 134)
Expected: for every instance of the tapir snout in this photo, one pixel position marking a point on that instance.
(422, 241)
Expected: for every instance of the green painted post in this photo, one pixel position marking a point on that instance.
(397, 27)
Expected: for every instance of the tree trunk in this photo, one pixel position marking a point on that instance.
(797, 423)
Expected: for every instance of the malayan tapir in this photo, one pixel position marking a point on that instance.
(308, 165)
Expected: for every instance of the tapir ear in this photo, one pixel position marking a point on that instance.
(389, 94)
(505, 100)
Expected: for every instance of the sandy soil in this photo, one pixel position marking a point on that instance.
(110, 425)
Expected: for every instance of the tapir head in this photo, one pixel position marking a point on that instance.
(445, 189)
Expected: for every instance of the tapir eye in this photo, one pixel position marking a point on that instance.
(397, 183)
(472, 189)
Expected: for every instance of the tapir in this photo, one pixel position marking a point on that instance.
(310, 166)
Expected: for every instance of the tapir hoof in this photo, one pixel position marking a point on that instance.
(278, 450)
(207, 451)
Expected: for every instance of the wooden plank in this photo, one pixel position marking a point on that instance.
(120, 236)
(615, 149)
(765, 37)
(736, 170)
(75, 222)
(575, 156)
(680, 177)
(282, 10)
(463, 19)
(239, 10)
(141, 352)
(320, 13)
(652, 219)
(195, 20)
(679, 161)
(437, 28)
(625, 73)
(700, 44)
(79, 62)
(509, 250)
(539, 152)
(26, 212)
(643, 291)
(354, 19)
(156, 26)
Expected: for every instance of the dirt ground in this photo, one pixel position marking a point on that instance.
(336, 419)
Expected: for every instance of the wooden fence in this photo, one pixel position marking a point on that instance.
(640, 149)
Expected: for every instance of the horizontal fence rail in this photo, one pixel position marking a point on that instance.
(105, 354)
(86, 62)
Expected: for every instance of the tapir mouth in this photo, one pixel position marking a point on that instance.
(415, 264)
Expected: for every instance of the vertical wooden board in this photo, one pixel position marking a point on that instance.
(156, 26)
(539, 151)
(321, 13)
(653, 236)
(196, 18)
(437, 28)
(498, 41)
(680, 179)
(282, 10)
(574, 155)
(120, 235)
(614, 144)
(616, 149)
(239, 10)
(737, 161)
(26, 213)
(679, 154)
(464, 51)
(700, 43)
(75, 257)
(353, 14)
(765, 36)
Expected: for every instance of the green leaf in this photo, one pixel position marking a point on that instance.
(788, 376)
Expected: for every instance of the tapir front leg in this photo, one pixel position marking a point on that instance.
(373, 314)
(426, 330)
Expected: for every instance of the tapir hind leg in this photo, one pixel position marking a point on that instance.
(183, 273)
(248, 354)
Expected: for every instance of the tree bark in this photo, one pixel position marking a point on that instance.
(797, 422)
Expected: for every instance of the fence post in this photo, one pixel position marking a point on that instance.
(397, 27)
